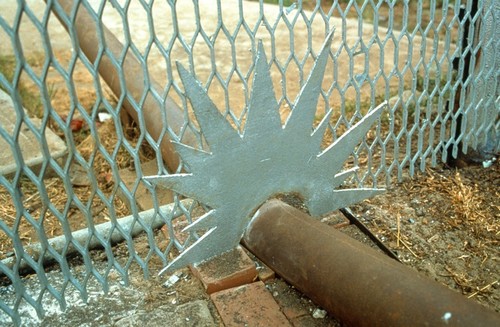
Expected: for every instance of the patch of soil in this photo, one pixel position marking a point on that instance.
(223, 265)
(444, 223)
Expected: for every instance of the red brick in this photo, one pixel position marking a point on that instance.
(265, 273)
(230, 269)
(249, 305)
(289, 299)
(293, 311)
(290, 306)
(307, 321)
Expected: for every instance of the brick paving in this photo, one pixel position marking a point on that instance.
(235, 282)
(239, 276)
(249, 305)
(228, 270)
(230, 281)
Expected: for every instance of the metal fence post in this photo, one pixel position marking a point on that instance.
(482, 129)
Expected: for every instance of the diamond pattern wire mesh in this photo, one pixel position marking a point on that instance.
(396, 50)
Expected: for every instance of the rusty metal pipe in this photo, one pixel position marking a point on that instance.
(135, 80)
(353, 282)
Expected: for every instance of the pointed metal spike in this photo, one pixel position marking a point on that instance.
(205, 248)
(193, 254)
(166, 180)
(185, 184)
(214, 126)
(341, 177)
(319, 133)
(338, 152)
(192, 157)
(208, 220)
(344, 198)
(214, 181)
(340, 199)
(302, 116)
(263, 113)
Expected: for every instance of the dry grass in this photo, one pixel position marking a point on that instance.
(42, 215)
(467, 203)
(446, 224)
(37, 217)
(57, 207)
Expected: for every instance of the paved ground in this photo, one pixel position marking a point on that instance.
(121, 306)
(256, 299)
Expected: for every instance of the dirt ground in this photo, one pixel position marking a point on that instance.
(444, 223)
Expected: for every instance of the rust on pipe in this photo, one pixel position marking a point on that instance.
(353, 282)
(135, 79)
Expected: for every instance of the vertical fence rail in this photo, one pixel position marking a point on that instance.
(69, 147)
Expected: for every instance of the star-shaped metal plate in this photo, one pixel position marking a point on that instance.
(243, 170)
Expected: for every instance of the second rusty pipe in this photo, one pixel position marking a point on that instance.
(353, 282)
(136, 81)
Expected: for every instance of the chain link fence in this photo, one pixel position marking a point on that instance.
(91, 97)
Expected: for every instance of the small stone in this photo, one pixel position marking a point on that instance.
(420, 212)
(78, 176)
(472, 243)
(103, 116)
(406, 96)
(408, 211)
(446, 317)
(411, 221)
(319, 314)
(171, 281)
(113, 275)
(487, 163)
(392, 101)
